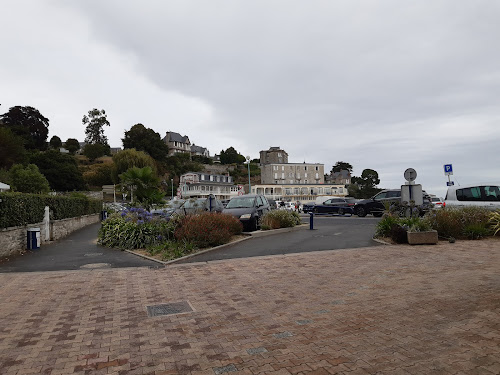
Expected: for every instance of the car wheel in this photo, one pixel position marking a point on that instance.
(378, 214)
(254, 224)
(361, 211)
(341, 211)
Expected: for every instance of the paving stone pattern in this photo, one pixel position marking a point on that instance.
(384, 310)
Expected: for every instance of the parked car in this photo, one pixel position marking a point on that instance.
(308, 207)
(249, 209)
(189, 207)
(375, 204)
(336, 205)
(272, 204)
(436, 202)
(479, 195)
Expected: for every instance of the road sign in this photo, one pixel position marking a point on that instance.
(450, 183)
(410, 174)
(448, 169)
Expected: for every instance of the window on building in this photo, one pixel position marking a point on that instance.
(305, 168)
(317, 168)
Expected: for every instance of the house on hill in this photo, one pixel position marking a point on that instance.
(177, 143)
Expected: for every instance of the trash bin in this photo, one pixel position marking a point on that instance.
(104, 215)
(33, 239)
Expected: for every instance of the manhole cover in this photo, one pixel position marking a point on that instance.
(169, 309)
(92, 254)
(96, 265)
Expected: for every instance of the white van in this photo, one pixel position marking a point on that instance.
(480, 195)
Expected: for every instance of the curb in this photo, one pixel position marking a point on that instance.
(381, 241)
(249, 235)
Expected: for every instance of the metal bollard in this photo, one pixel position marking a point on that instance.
(311, 221)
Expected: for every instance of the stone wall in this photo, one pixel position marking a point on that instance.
(14, 240)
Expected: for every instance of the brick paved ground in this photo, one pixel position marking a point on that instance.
(381, 310)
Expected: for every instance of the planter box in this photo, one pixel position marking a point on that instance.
(423, 238)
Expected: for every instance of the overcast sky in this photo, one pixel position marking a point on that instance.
(384, 85)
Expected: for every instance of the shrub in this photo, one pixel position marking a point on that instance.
(19, 209)
(385, 225)
(280, 219)
(207, 229)
(134, 229)
(171, 249)
(452, 221)
(476, 231)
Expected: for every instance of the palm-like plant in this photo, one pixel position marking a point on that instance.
(144, 183)
(495, 222)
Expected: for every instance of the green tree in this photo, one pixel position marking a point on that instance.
(94, 151)
(97, 175)
(28, 179)
(341, 166)
(180, 163)
(126, 159)
(29, 124)
(61, 170)
(143, 185)
(147, 140)
(364, 186)
(94, 126)
(11, 148)
(231, 156)
(72, 145)
(202, 159)
(55, 142)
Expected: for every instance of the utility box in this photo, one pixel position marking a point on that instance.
(33, 239)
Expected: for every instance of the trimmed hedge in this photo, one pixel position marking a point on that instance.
(17, 209)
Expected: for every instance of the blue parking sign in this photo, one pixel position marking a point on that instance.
(448, 169)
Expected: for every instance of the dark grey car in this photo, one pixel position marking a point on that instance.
(249, 209)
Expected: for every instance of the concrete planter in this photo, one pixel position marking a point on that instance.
(423, 238)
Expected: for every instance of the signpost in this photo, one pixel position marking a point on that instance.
(411, 192)
(448, 171)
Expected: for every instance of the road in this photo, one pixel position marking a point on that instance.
(330, 233)
(77, 251)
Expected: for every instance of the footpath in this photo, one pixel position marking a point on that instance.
(376, 310)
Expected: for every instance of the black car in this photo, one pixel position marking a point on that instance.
(308, 207)
(336, 205)
(249, 209)
(376, 205)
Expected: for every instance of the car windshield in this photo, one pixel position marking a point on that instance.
(436, 200)
(195, 203)
(246, 202)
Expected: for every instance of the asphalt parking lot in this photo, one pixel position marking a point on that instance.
(329, 233)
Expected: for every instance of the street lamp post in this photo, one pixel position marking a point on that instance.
(249, 182)
(172, 180)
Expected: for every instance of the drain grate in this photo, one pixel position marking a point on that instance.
(169, 309)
